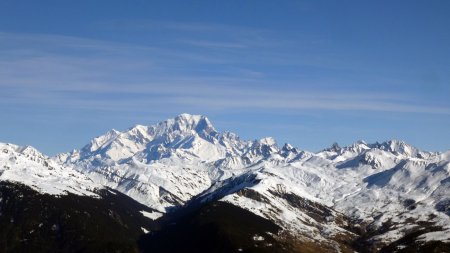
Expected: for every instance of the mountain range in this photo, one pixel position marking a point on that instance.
(182, 186)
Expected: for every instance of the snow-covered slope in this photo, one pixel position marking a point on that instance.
(28, 166)
(388, 187)
(318, 198)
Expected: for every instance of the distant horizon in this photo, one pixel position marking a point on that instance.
(310, 73)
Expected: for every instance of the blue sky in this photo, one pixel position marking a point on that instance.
(305, 72)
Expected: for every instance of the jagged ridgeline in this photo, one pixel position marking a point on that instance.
(182, 186)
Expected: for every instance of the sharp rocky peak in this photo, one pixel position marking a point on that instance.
(334, 148)
(287, 147)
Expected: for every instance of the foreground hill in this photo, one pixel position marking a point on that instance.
(45, 207)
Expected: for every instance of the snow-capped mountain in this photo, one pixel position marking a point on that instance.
(367, 196)
(28, 166)
(165, 165)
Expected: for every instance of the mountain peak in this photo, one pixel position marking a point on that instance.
(287, 147)
(269, 141)
(335, 147)
(186, 122)
(102, 140)
(400, 147)
(190, 116)
(395, 142)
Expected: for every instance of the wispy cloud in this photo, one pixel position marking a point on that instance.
(88, 74)
(214, 44)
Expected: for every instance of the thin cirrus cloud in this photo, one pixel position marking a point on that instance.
(90, 74)
(214, 44)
